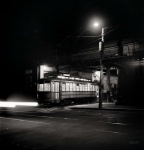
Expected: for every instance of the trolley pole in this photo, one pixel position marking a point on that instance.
(101, 47)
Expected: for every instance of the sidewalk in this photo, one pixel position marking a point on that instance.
(107, 106)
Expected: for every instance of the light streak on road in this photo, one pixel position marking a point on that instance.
(14, 104)
(121, 124)
(26, 103)
(117, 123)
(5, 104)
(109, 131)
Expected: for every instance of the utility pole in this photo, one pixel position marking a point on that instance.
(101, 47)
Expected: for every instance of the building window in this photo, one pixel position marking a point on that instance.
(28, 71)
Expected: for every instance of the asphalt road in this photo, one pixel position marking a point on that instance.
(60, 128)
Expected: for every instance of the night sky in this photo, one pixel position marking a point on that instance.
(34, 30)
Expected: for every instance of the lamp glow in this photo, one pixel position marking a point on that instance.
(96, 24)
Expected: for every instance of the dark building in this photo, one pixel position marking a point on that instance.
(131, 83)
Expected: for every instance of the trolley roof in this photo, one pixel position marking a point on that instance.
(65, 78)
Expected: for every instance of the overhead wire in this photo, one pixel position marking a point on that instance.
(99, 36)
(85, 37)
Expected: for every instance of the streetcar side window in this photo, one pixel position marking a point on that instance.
(63, 86)
(46, 86)
(74, 87)
(88, 87)
(67, 86)
(52, 86)
(56, 86)
(77, 87)
(71, 87)
(80, 85)
(84, 87)
(93, 88)
(41, 87)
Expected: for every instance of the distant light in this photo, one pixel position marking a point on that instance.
(142, 58)
(72, 78)
(85, 80)
(26, 103)
(45, 67)
(67, 75)
(13, 104)
(62, 77)
(96, 24)
(6, 104)
(77, 78)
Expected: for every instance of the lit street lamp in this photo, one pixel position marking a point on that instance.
(101, 50)
(101, 65)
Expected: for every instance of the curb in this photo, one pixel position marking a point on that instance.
(113, 109)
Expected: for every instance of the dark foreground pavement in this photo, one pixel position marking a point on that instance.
(62, 128)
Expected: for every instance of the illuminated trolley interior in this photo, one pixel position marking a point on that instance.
(61, 89)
